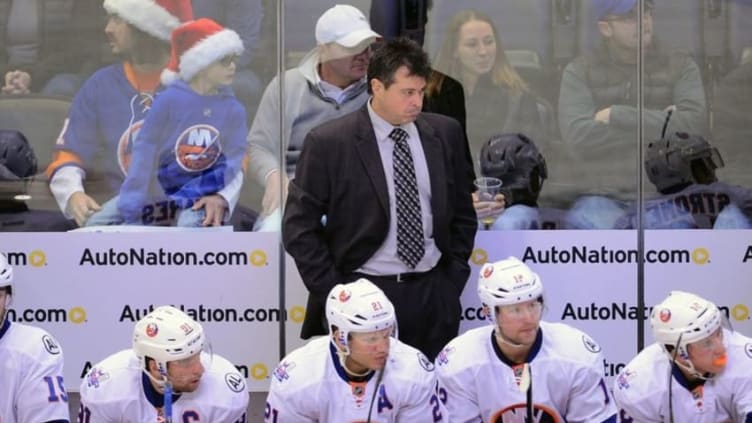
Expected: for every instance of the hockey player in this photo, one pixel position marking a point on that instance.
(515, 160)
(521, 368)
(167, 376)
(197, 151)
(361, 372)
(682, 167)
(109, 109)
(31, 380)
(697, 370)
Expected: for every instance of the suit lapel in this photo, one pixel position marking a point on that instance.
(432, 148)
(368, 150)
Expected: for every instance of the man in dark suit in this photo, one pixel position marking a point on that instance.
(393, 186)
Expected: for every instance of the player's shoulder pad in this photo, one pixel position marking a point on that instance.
(304, 366)
(641, 379)
(37, 343)
(739, 355)
(409, 362)
(465, 351)
(225, 377)
(570, 343)
(45, 343)
(120, 369)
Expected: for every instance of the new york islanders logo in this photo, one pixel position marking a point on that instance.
(198, 148)
(152, 330)
(487, 271)
(125, 145)
(344, 296)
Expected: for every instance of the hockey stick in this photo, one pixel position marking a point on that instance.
(168, 402)
(526, 385)
(375, 391)
(670, 380)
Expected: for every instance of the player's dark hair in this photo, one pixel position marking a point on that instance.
(399, 52)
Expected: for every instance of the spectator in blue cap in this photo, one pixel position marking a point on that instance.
(598, 104)
(603, 8)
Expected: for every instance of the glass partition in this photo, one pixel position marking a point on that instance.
(624, 118)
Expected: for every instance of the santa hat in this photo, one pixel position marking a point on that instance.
(155, 17)
(196, 45)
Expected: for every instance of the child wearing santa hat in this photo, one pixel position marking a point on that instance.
(193, 138)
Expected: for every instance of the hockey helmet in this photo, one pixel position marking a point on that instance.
(508, 282)
(6, 272)
(358, 306)
(515, 160)
(167, 334)
(17, 159)
(6, 283)
(681, 319)
(680, 159)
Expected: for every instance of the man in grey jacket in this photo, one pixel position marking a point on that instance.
(598, 103)
(329, 82)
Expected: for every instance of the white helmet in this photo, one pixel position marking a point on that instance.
(6, 281)
(508, 282)
(6, 272)
(683, 318)
(358, 306)
(167, 334)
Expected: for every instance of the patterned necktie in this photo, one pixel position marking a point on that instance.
(410, 248)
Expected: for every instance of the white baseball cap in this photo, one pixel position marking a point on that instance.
(345, 25)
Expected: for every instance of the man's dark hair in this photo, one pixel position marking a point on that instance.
(395, 54)
(147, 49)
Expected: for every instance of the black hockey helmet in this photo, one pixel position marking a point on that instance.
(17, 159)
(680, 159)
(519, 164)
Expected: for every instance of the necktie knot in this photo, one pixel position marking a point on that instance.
(399, 135)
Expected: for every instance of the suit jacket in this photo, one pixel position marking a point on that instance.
(340, 175)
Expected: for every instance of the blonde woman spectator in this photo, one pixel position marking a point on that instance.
(497, 100)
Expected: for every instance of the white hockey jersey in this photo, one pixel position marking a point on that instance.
(31, 376)
(117, 390)
(310, 385)
(641, 388)
(479, 384)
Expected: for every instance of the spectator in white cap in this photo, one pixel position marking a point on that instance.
(197, 152)
(110, 107)
(329, 82)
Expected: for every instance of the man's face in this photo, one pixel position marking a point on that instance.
(342, 66)
(368, 350)
(119, 34)
(476, 47)
(708, 355)
(623, 30)
(519, 323)
(185, 375)
(402, 101)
